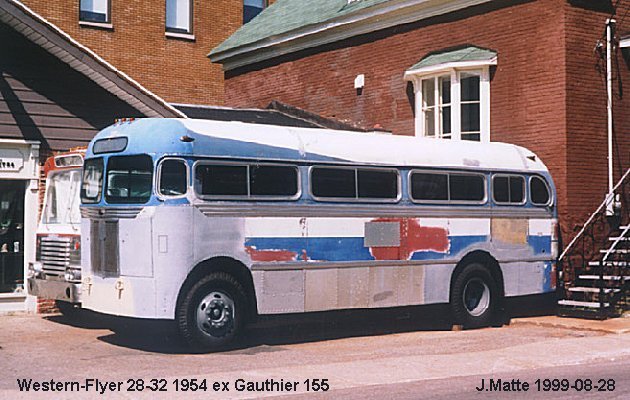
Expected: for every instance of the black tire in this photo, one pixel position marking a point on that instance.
(211, 314)
(474, 297)
(67, 309)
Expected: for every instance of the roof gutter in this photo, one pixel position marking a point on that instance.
(80, 58)
(371, 19)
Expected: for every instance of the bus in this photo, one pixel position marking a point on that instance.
(56, 272)
(211, 224)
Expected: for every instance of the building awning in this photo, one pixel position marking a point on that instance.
(57, 42)
(465, 57)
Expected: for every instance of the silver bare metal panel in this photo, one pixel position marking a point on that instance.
(382, 234)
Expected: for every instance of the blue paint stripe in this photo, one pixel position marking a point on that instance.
(350, 249)
(540, 244)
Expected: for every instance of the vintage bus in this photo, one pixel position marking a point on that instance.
(211, 223)
(56, 273)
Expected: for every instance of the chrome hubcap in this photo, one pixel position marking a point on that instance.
(215, 314)
(476, 297)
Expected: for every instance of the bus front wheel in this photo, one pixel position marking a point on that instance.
(211, 314)
(474, 297)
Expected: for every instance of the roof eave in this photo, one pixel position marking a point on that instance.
(367, 20)
(80, 58)
(410, 74)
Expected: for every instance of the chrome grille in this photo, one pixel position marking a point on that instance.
(104, 247)
(55, 254)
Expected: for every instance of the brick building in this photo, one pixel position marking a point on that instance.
(520, 71)
(162, 44)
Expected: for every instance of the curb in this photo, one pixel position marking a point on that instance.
(614, 326)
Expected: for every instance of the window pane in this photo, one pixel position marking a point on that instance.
(445, 89)
(331, 182)
(273, 181)
(61, 198)
(429, 122)
(252, 8)
(428, 92)
(539, 191)
(517, 189)
(173, 178)
(129, 179)
(467, 187)
(500, 189)
(470, 118)
(92, 180)
(425, 186)
(221, 180)
(476, 137)
(94, 10)
(446, 120)
(470, 87)
(377, 184)
(178, 16)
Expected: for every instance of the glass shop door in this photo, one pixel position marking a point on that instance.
(12, 235)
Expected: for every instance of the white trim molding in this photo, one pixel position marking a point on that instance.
(625, 42)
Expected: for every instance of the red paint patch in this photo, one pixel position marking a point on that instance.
(413, 237)
(270, 255)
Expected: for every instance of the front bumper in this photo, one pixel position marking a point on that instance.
(56, 290)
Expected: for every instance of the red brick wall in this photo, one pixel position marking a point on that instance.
(175, 69)
(545, 92)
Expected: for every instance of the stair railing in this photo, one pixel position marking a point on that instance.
(594, 234)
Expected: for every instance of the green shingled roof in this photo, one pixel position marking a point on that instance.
(288, 15)
(470, 53)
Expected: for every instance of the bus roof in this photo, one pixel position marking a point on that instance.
(226, 139)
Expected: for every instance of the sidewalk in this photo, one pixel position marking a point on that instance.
(613, 325)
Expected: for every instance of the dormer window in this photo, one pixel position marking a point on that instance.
(452, 94)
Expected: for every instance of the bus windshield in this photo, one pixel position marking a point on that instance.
(62, 198)
(129, 179)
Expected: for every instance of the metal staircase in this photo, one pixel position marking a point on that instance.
(595, 266)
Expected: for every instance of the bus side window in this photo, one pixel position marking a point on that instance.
(222, 180)
(173, 178)
(539, 191)
(508, 189)
(429, 187)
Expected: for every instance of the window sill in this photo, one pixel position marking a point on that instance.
(182, 36)
(97, 25)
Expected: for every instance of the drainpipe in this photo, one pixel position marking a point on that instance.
(610, 25)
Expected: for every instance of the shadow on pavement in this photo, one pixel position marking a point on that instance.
(160, 336)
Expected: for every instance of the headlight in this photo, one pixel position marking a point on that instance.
(35, 270)
(72, 274)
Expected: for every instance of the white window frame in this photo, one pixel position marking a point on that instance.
(108, 15)
(454, 70)
(175, 31)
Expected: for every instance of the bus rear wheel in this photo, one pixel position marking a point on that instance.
(474, 297)
(211, 314)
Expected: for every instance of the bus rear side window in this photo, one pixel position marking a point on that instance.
(466, 187)
(367, 184)
(129, 179)
(92, 181)
(508, 189)
(539, 191)
(173, 178)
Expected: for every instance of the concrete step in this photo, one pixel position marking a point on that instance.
(609, 263)
(625, 251)
(606, 277)
(586, 304)
(582, 289)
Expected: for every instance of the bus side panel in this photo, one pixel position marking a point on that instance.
(172, 254)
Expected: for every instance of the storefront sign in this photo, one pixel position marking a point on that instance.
(11, 160)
